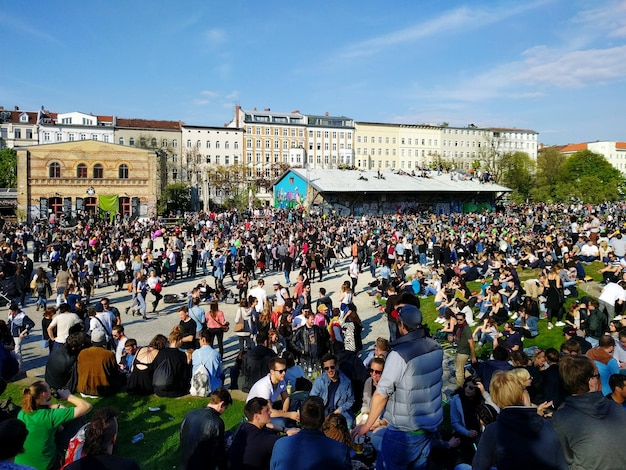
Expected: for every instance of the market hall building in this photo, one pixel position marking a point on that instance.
(88, 176)
(356, 192)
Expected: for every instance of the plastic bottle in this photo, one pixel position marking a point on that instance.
(137, 438)
(289, 388)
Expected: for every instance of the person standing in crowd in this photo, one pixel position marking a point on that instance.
(20, 325)
(409, 393)
(202, 440)
(464, 347)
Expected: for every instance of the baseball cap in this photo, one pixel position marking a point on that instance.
(98, 307)
(322, 308)
(410, 316)
(97, 337)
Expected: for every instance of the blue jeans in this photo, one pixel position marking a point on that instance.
(393, 331)
(404, 450)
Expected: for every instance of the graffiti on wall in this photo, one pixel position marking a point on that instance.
(290, 192)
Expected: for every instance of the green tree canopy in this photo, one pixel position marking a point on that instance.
(588, 176)
(518, 173)
(549, 163)
(8, 168)
(175, 197)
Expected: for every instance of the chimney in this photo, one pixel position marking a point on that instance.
(17, 108)
(255, 108)
(267, 110)
(295, 111)
(326, 114)
(237, 110)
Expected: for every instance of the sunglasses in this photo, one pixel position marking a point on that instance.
(280, 371)
(374, 371)
(329, 368)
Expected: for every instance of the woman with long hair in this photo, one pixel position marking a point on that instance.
(216, 323)
(140, 378)
(244, 316)
(42, 419)
(554, 297)
(352, 329)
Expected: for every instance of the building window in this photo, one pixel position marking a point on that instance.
(131, 141)
(153, 142)
(29, 133)
(17, 133)
(236, 146)
(59, 136)
(227, 145)
(46, 136)
(174, 174)
(105, 138)
(164, 143)
(198, 144)
(121, 141)
(123, 171)
(175, 143)
(98, 171)
(124, 205)
(217, 144)
(83, 136)
(81, 171)
(54, 170)
(56, 205)
(189, 143)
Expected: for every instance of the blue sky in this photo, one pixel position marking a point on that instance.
(555, 66)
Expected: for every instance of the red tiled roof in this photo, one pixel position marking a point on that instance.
(573, 148)
(148, 124)
(620, 145)
(15, 116)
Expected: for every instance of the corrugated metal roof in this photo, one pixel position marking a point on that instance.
(338, 181)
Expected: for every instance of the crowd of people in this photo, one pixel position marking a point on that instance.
(300, 351)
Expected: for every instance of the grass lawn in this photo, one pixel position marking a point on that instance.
(159, 449)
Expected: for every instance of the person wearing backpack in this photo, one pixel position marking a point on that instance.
(172, 373)
(206, 365)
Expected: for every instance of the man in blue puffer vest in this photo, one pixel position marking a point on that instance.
(409, 393)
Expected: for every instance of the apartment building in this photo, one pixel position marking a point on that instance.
(73, 126)
(17, 128)
(208, 154)
(329, 142)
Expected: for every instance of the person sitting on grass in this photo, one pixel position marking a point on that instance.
(100, 438)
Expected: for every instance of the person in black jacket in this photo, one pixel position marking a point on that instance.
(172, 371)
(255, 362)
(202, 435)
(310, 341)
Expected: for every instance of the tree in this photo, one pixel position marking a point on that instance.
(589, 177)
(175, 197)
(518, 173)
(490, 153)
(549, 164)
(8, 168)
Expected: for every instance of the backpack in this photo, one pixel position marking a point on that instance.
(200, 383)
(163, 377)
(75, 447)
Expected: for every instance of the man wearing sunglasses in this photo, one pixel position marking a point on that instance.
(409, 393)
(273, 387)
(335, 389)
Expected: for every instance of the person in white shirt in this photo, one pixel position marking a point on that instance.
(260, 294)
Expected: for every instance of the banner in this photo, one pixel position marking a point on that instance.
(110, 204)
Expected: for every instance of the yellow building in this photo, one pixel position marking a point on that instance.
(73, 178)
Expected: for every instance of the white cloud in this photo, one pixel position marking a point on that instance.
(233, 95)
(200, 102)
(575, 69)
(450, 22)
(210, 94)
(12, 23)
(216, 36)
